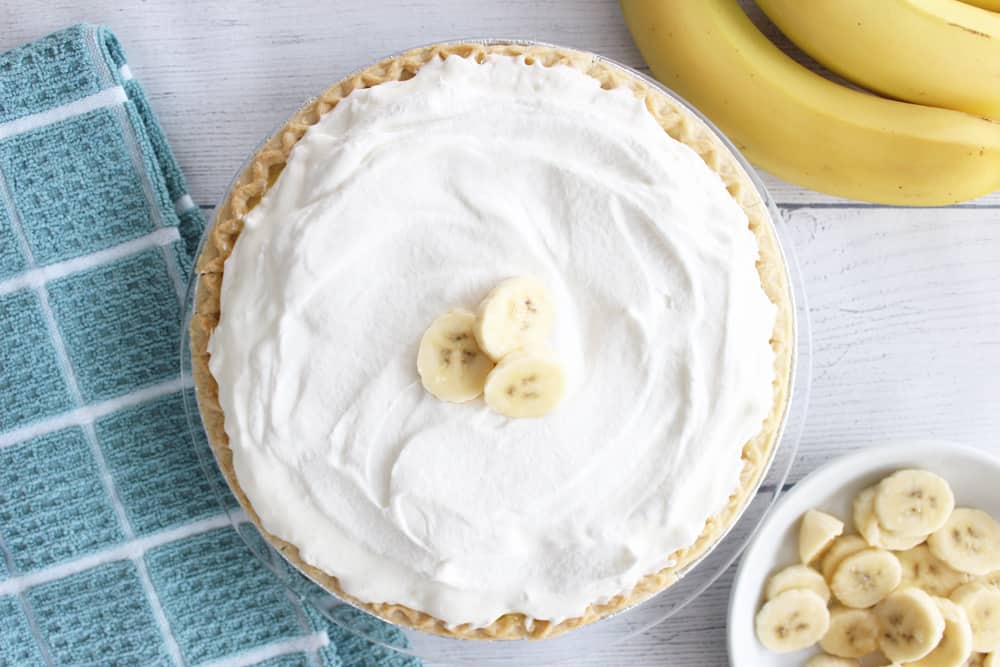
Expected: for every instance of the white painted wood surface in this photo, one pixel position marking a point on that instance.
(905, 304)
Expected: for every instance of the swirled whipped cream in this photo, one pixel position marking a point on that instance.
(411, 198)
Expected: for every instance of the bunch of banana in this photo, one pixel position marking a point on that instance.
(498, 351)
(943, 55)
(933, 604)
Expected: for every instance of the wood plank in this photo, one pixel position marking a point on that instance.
(905, 307)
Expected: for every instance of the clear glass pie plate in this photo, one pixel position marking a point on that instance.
(602, 634)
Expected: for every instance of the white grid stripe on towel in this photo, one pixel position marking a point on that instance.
(29, 613)
(132, 550)
(39, 275)
(309, 643)
(88, 414)
(312, 657)
(109, 97)
(184, 203)
(97, 57)
(154, 210)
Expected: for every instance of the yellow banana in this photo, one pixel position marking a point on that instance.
(992, 5)
(807, 129)
(943, 53)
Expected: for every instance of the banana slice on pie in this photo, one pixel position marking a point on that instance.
(517, 313)
(449, 361)
(526, 383)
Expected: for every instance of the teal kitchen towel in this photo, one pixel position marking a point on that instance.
(114, 549)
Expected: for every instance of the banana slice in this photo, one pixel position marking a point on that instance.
(797, 576)
(853, 633)
(969, 541)
(863, 579)
(824, 660)
(842, 547)
(879, 660)
(992, 580)
(517, 313)
(924, 570)
(912, 625)
(526, 383)
(955, 646)
(816, 532)
(791, 621)
(867, 524)
(982, 604)
(913, 502)
(449, 361)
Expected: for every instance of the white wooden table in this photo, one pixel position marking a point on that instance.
(905, 303)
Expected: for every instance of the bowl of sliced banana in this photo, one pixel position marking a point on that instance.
(887, 556)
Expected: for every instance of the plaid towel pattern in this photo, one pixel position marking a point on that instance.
(114, 549)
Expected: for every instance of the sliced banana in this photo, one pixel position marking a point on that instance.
(911, 624)
(526, 383)
(924, 570)
(913, 502)
(843, 546)
(978, 660)
(867, 524)
(853, 633)
(955, 646)
(816, 532)
(864, 578)
(791, 621)
(797, 576)
(879, 660)
(517, 313)
(969, 541)
(449, 361)
(982, 604)
(824, 660)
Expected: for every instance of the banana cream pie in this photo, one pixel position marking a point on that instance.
(407, 193)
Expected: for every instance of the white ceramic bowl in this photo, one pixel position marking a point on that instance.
(973, 474)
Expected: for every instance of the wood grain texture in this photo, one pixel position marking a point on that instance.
(905, 303)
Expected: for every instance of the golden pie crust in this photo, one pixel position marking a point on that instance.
(680, 124)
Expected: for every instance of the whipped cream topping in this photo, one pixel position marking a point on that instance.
(414, 197)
